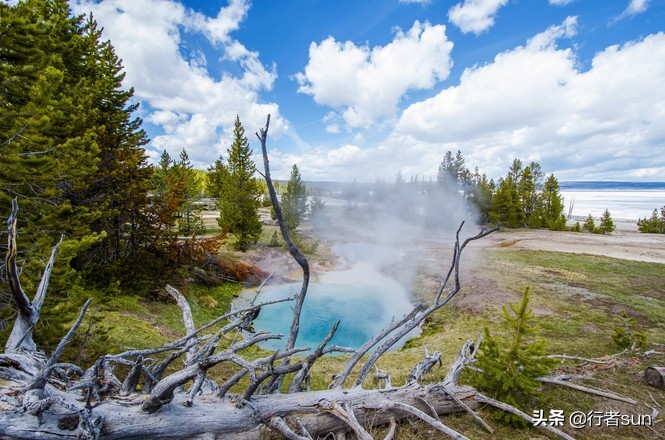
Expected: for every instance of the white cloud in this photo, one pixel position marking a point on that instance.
(560, 2)
(218, 29)
(637, 7)
(634, 7)
(534, 103)
(195, 109)
(365, 84)
(475, 15)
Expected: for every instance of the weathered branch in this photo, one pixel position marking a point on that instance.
(511, 409)
(339, 380)
(44, 375)
(411, 324)
(422, 416)
(296, 384)
(290, 245)
(595, 391)
(187, 318)
(280, 425)
(28, 312)
(424, 366)
(345, 413)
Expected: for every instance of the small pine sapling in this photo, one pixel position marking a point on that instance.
(624, 334)
(512, 365)
(606, 223)
(589, 224)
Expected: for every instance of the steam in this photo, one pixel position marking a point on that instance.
(387, 226)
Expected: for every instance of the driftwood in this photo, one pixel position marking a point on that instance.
(41, 398)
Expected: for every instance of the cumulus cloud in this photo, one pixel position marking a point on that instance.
(195, 109)
(560, 2)
(365, 84)
(534, 103)
(475, 15)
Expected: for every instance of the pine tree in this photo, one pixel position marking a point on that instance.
(294, 200)
(512, 365)
(189, 219)
(589, 224)
(653, 225)
(553, 217)
(482, 194)
(239, 195)
(528, 188)
(506, 209)
(606, 223)
(119, 187)
(49, 143)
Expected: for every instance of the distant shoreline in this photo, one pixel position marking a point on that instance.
(589, 185)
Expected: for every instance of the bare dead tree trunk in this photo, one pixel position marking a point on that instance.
(20, 337)
(262, 135)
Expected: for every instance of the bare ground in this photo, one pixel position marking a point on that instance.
(624, 243)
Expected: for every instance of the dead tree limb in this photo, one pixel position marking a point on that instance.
(28, 311)
(262, 135)
(511, 409)
(414, 322)
(187, 317)
(597, 392)
(424, 366)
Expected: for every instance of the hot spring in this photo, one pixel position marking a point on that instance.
(362, 298)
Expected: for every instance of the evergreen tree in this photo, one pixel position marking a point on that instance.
(189, 219)
(653, 225)
(589, 224)
(482, 194)
(239, 194)
(529, 187)
(48, 139)
(317, 211)
(453, 175)
(294, 200)
(606, 223)
(512, 365)
(506, 209)
(119, 187)
(553, 217)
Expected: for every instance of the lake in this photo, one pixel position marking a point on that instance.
(625, 200)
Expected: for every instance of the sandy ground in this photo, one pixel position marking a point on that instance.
(624, 243)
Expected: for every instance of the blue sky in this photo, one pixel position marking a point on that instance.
(366, 89)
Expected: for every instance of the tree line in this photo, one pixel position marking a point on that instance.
(72, 153)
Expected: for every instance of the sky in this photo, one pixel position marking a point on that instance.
(363, 90)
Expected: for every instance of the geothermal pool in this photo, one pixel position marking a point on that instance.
(361, 297)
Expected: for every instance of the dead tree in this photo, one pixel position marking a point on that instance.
(43, 398)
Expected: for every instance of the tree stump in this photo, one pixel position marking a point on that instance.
(655, 376)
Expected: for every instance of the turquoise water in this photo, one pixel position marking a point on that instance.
(361, 297)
